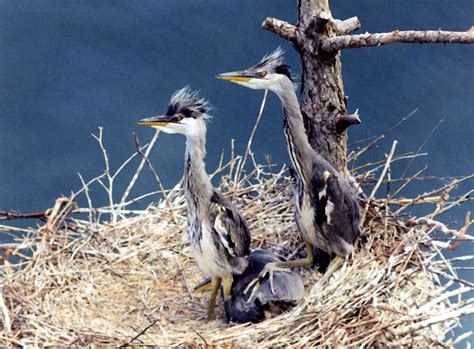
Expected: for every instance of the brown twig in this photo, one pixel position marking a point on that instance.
(420, 148)
(6, 215)
(241, 165)
(157, 178)
(431, 193)
(389, 130)
(379, 182)
(139, 334)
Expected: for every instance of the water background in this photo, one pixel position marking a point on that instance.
(68, 67)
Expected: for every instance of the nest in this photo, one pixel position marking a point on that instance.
(80, 279)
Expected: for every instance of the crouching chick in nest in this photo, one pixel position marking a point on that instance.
(218, 232)
(263, 303)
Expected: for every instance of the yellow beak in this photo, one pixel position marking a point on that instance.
(152, 123)
(234, 78)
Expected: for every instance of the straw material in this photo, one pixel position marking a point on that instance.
(129, 279)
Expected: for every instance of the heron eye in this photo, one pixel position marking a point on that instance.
(263, 74)
(179, 118)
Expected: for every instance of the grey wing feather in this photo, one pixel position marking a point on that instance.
(346, 209)
(231, 227)
(337, 211)
(288, 286)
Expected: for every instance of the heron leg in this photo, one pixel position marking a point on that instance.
(215, 283)
(270, 268)
(333, 267)
(321, 259)
(227, 286)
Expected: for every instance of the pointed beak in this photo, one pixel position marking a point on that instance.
(237, 76)
(159, 120)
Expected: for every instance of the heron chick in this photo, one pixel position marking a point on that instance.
(264, 303)
(219, 234)
(327, 211)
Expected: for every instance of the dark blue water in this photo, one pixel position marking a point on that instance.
(68, 67)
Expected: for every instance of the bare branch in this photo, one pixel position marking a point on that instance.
(382, 175)
(5, 215)
(140, 167)
(386, 132)
(249, 143)
(460, 234)
(347, 26)
(343, 122)
(283, 29)
(158, 180)
(334, 44)
(433, 130)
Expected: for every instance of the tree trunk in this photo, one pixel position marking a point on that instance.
(323, 101)
(318, 38)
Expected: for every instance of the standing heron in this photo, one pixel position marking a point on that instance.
(219, 234)
(327, 211)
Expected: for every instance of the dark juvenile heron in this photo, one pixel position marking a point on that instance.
(263, 303)
(219, 234)
(326, 207)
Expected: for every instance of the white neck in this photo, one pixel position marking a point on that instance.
(298, 145)
(197, 184)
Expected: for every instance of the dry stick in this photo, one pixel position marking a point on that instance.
(183, 278)
(455, 314)
(203, 339)
(333, 44)
(457, 202)
(356, 155)
(426, 195)
(141, 333)
(145, 157)
(249, 143)
(374, 190)
(387, 164)
(232, 157)
(386, 132)
(440, 226)
(379, 163)
(409, 180)
(428, 137)
(6, 316)
(428, 178)
(428, 200)
(139, 169)
(443, 258)
(219, 167)
(89, 201)
(6, 215)
(109, 188)
(462, 337)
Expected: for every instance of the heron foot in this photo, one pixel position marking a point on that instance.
(269, 269)
(215, 284)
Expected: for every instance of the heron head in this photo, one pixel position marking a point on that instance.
(186, 114)
(269, 74)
